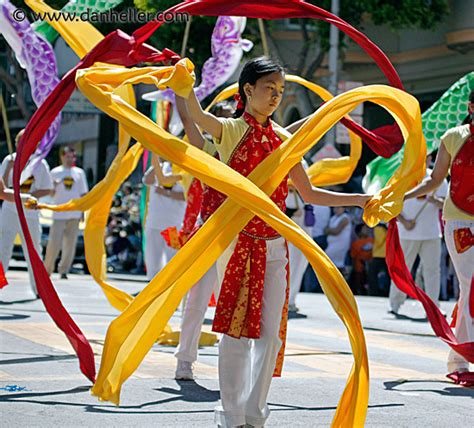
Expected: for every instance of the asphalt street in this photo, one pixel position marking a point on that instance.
(41, 385)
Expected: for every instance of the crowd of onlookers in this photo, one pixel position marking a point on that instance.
(123, 238)
(357, 250)
(362, 252)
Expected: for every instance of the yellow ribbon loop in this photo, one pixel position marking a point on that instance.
(131, 335)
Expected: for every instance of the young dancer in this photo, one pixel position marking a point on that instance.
(242, 143)
(456, 156)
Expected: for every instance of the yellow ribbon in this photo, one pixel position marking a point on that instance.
(324, 172)
(82, 37)
(132, 334)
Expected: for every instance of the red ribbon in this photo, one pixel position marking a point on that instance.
(403, 280)
(240, 104)
(3, 279)
(122, 49)
(115, 49)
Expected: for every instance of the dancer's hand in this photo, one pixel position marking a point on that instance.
(363, 199)
(31, 203)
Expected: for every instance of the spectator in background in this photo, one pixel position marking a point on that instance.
(166, 208)
(420, 235)
(338, 237)
(130, 198)
(69, 183)
(322, 216)
(378, 276)
(361, 254)
(297, 210)
(38, 183)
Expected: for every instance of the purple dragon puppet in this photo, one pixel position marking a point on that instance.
(36, 56)
(227, 47)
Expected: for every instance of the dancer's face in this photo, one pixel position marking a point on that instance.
(265, 96)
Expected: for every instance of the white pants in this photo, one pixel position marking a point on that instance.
(429, 251)
(62, 236)
(157, 252)
(464, 267)
(9, 228)
(298, 262)
(246, 365)
(193, 316)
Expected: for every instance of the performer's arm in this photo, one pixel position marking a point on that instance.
(316, 196)
(192, 131)
(7, 195)
(149, 177)
(338, 229)
(439, 173)
(296, 125)
(204, 120)
(40, 193)
(164, 180)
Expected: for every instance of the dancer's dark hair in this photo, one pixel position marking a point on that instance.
(252, 71)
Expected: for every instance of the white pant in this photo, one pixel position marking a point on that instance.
(9, 228)
(193, 316)
(464, 267)
(298, 262)
(245, 371)
(62, 237)
(157, 252)
(429, 251)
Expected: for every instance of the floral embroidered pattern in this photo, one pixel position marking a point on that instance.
(239, 307)
(462, 176)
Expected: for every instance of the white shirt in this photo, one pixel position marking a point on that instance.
(164, 211)
(71, 184)
(321, 215)
(338, 245)
(40, 179)
(426, 214)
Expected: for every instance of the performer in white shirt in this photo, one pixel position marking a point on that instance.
(420, 235)
(296, 210)
(38, 183)
(166, 208)
(69, 183)
(339, 236)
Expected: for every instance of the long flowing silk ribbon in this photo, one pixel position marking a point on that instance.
(122, 49)
(325, 171)
(403, 279)
(279, 9)
(137, 327)
(3, 278)
(97, 202)
(115, 48)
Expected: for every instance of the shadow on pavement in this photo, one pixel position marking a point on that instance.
(13, 397)
(38, 359)
(286, 407)
(407, 318)
(13, 317)
(189, 391)
(296, 315)
(14, 302)
(192, 391)
(452, 391)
